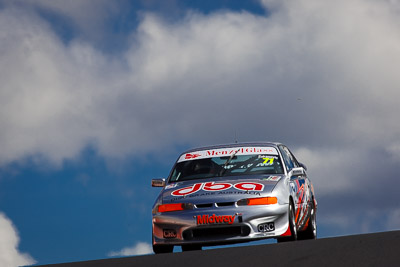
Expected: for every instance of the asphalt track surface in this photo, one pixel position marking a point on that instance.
(378, 249)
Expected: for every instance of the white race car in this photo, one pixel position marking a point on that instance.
(233, 193)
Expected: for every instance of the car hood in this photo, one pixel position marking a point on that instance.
(220, 189)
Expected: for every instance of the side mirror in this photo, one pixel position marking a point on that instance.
(302, 165)
(297, 171)
(158, 182)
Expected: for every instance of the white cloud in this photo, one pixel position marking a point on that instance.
(203, 78)
(321, 76)
(10, 256)
(141, 248)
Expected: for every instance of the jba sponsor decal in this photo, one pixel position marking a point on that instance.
(215, 219)
(212, 187)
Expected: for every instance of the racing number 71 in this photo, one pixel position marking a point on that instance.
(271, 160)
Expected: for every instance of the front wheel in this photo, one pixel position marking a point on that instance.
(292, 227)
(311, 230)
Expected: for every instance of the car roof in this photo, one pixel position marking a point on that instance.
(260, 143)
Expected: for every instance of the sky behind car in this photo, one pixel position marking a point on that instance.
(99, 97)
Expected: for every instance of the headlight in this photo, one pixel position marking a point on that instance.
(174, 207)
(257, 201)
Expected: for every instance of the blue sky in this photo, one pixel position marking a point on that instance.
(98, 97)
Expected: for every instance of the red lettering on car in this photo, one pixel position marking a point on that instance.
(191, 156)
(212, 186)
(187, 190)
(249, 186)
(214, 219)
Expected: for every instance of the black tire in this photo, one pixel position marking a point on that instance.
(311, 230)
(190, 247)
(292, 225)
(158, 249)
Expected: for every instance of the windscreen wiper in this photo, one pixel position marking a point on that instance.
(227, 162)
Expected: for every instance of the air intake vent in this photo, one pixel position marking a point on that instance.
(202, 206)
(216, 232)
(225, 204)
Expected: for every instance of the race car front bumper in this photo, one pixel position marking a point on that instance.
(220, 225)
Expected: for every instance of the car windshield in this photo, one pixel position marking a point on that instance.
(232, 165)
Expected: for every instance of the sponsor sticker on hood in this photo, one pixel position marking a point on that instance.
(171, 186)
(192, 191)
(213, 186)
(272, 178)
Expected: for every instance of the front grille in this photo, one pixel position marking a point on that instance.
(210, 205)
(216, 232)
(225, 204)
(201, 206)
